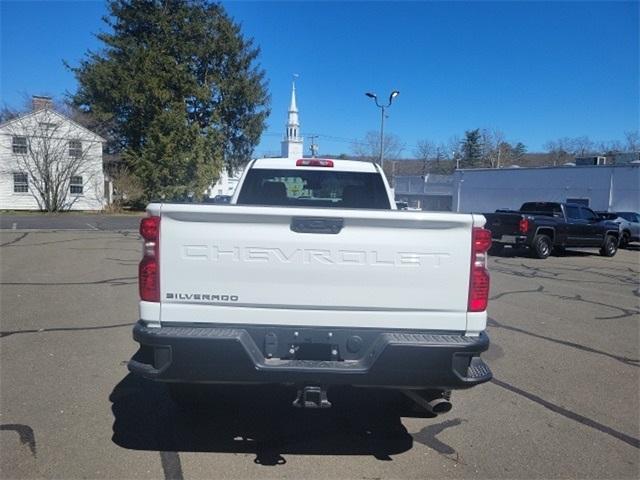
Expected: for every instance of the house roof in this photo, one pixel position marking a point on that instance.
(58, 114)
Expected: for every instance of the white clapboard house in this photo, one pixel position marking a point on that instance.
(48, 159)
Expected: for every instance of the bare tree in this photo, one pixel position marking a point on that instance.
(494, 147)
(7, 113)
(633, 141)
(369, 147)
(127, 188)
(610, 147)
(565, 148)
(435, 158)
(54, 154)
(582, 146)
(425, 151)
(443, 163)
(559, 149)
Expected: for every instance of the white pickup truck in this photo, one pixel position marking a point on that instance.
(310, 277)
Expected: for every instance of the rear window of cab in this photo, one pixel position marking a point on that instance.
(314, 188)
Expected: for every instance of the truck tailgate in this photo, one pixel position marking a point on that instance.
(503, 224)
(242, 264)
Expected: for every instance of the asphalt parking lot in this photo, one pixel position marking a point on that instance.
(564, 402)
(69, 221)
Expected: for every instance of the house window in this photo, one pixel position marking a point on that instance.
(20, 183)
(76, 185)
(19, 145)
(75, 148)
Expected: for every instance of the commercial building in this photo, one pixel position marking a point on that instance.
(601, 187)
(428, 192)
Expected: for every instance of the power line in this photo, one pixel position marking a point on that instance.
(333, 138)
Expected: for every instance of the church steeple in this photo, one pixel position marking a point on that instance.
(292, 144)
(293, 107)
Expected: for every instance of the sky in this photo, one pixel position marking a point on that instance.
(537, 71)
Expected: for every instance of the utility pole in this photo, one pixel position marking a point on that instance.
(313, 147)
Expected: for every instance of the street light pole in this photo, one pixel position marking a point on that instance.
(382, 137)
(382, 108)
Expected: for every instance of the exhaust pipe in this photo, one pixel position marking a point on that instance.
(439, 405)
(435, 406)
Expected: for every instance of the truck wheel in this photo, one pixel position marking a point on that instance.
(541, 246)
(496, 249)
(624, 241)
(609, 247)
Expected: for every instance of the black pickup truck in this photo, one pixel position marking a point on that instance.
(546, 226)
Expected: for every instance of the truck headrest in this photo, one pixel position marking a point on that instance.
(274, 193)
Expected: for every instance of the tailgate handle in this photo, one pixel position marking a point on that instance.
(317, 225)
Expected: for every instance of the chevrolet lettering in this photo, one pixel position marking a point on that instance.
(217, 253)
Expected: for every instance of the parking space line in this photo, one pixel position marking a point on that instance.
(15, 240)
(634, 362)
(171, 465)
(92, 227)
(14, 226)
(628, 439)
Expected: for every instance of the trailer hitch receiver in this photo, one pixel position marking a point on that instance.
(312, 397)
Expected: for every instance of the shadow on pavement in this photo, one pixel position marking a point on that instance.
(508, 252)
(523, 252)
(577, 253)
(258, 420)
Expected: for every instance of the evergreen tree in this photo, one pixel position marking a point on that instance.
(471, 149)
(179, 88)
(518, 151)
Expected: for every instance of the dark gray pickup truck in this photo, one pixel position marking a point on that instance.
(543, 227)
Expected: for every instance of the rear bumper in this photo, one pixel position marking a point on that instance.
(516, 240)
(359, 357)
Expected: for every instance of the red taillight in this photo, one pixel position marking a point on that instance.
(479, 290)
(479, 276)
(481, 240)
(149, 228)
(524, 225)
(314, 162)
(149, 280)
(149, 268)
